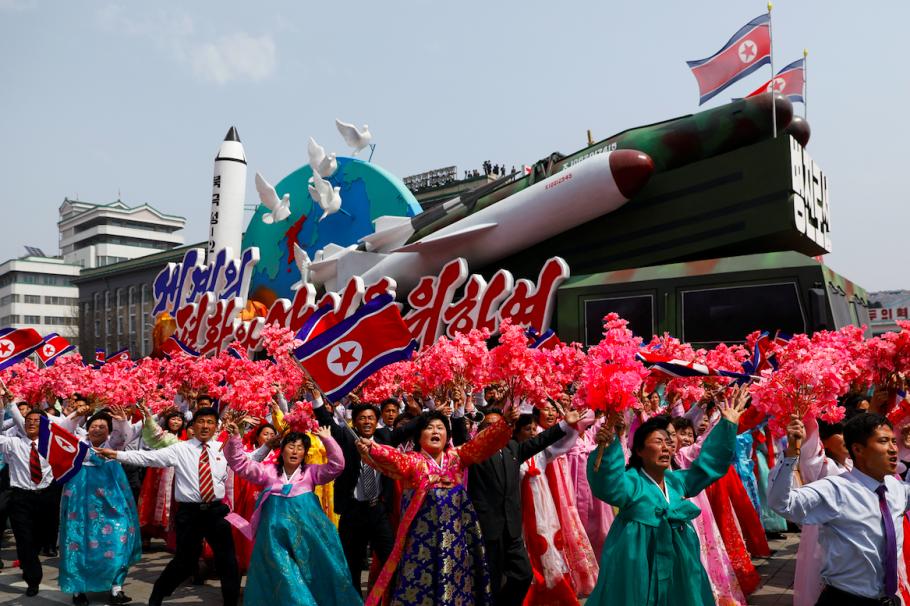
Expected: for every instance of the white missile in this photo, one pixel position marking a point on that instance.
(228, 192)
(571, 197)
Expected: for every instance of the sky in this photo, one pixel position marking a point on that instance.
(104, 99)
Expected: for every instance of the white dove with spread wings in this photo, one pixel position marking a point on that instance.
(280, 208)
(357, 139)
(302, 260)
(326, 196)
(323, 164)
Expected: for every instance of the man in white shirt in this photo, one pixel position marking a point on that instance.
(200, 475)
(31, 497)
(859, 512)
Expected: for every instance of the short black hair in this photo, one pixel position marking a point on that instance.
(680, 423)
(265, 426)
(826, 430)
(205, 412)
(860, 428)
(101, 415)
(658, 423)
(524, 420)
(357, 409)
(389, 402)
(34, 411)
(424, 420)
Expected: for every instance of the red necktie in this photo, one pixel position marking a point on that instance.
(34, 465)
(206, 488)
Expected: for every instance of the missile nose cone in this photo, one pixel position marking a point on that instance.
(782, 104)
(631, 170)
(232, 135)
(799, 130)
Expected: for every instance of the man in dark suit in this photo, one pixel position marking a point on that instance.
(362, 495)
(493, 486)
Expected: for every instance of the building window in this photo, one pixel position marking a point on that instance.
(86, 309)
(132, 296)
(107, 300)
(32, 319)
(7, 320)
(9, 299)
(97, 329)
(59, 301)
(32, 298)
(59, 321)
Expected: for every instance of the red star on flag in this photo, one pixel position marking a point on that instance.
(345, 357)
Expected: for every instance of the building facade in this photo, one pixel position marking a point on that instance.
(116, 302)
(95, 235)
(38, 292)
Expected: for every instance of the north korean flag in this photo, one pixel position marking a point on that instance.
(319, 321)
(344, 355)
(100, 358)
(52, 348)
(745, 52)
(62, 450)
(681, 368)
(119, 356)
(545, 340)
(173, 346)
(16, 344)
(789, 82)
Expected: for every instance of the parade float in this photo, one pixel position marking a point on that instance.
(705, 226)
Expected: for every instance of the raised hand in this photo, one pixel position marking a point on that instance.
(511, 413)
(107, 453)
(605, 434)
(323, 432)
(363, 446)
(732, 408)
(796, 433)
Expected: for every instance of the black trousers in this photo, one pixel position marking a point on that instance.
(29, 515)
(194, 522)
(360, 525)
(831, 596)
(4, 500)
(510, 569)
(52, 531)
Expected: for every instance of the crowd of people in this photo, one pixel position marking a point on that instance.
(467, 500)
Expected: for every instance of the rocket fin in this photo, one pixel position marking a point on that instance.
(433, 242)
(391, 232)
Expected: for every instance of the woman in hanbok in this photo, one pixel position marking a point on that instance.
(246, 493)
(99, 526)
(297, 557)
(714, 557)
(439, 550)
(156, 498)
(561, 555)
(596, 516)
(764, 461)
(651, 556)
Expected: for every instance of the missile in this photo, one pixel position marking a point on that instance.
(228, 192)
(590, 189)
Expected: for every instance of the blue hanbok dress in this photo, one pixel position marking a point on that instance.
(99, 528)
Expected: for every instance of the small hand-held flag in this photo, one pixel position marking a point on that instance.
(52, 348)
(745, 52)
(173, 346)
(16, 344)
(119, 356)
(63, 451)
(344, 355)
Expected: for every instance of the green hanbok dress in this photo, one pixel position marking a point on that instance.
(651, 555)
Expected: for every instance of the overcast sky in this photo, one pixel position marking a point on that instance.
(134, 97)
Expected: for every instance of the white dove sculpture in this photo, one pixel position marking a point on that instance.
(357, 139)
(302, 260)
(326, 196)
(280, 208)
(320, 162)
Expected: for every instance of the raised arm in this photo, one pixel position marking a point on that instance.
(386, 460)
(812, 459)
(610, 482)
(334, 465)
(164, 457)
(713, 460)
(248, 469)
(486, 443)
(532, 446)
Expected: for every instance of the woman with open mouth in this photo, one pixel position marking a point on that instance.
(651, 555)
(297, 557)
(439, 551)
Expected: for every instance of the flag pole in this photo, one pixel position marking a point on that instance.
(771, 53)
(805, 83)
